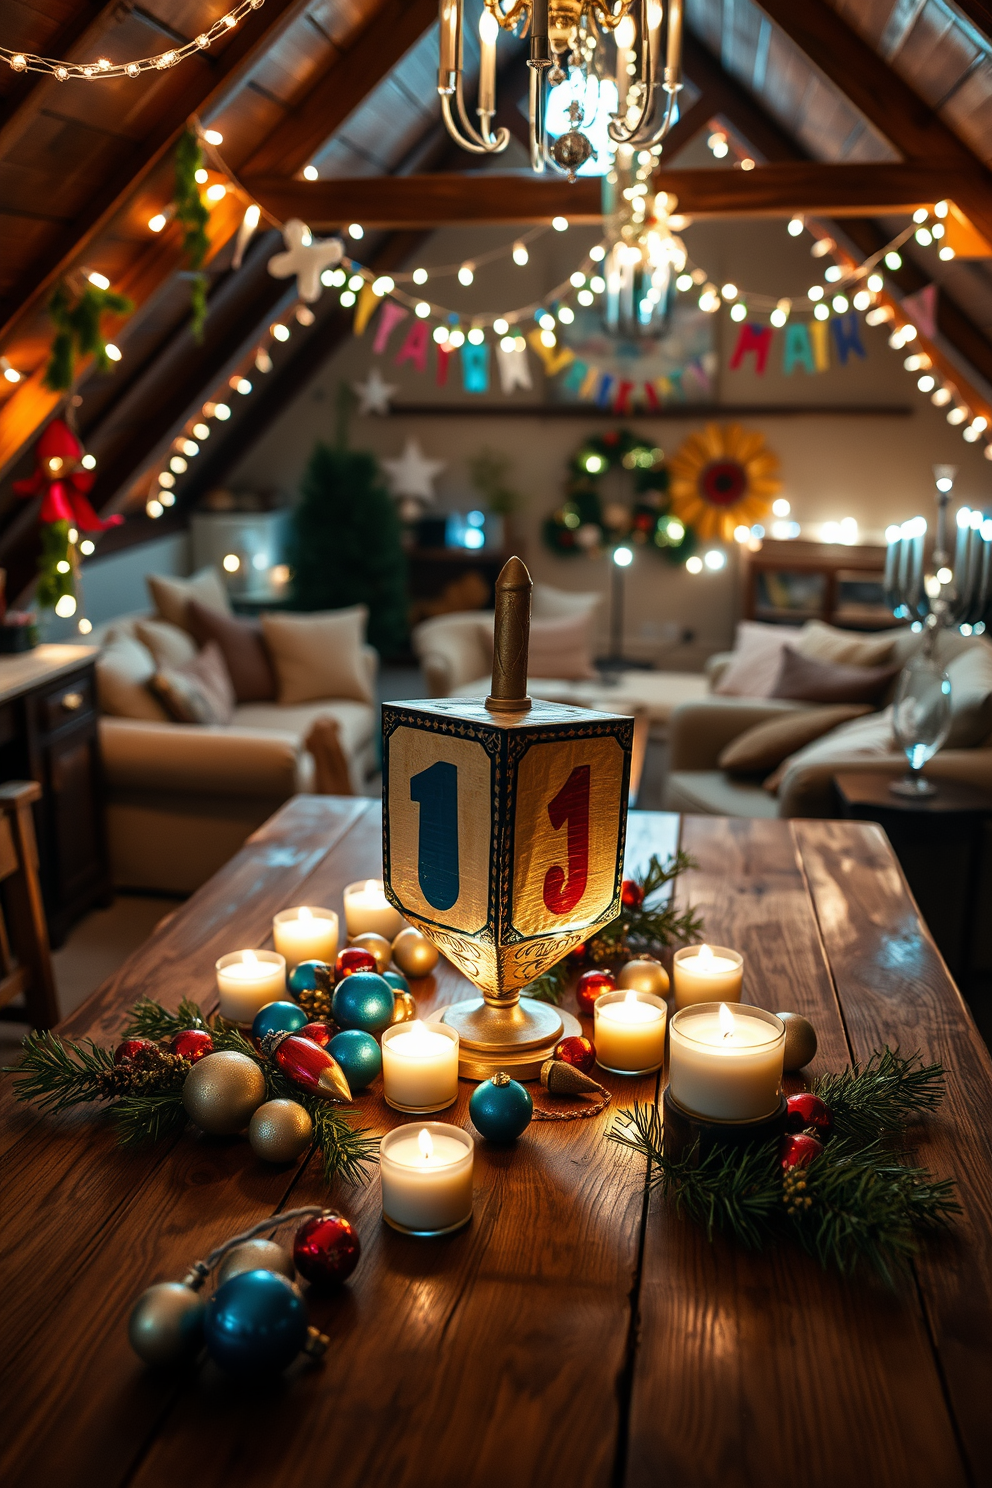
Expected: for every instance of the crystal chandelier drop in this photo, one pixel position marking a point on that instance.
(644, 254)
(597, 42)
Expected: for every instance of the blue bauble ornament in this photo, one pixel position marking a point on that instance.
(254, 1323)
(359, 1056)
(278, 1017)
(308, 977)
(500, 1108)
(396, 981)
(363, 1000)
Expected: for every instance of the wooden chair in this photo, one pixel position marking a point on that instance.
(25, 960)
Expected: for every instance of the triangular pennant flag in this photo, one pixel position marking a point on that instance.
(847, 336)
(820, 341)
(589, 383)
(921, 308)
(751, 338)
(475, 368)
(798, 351)
(575, 376)
(514, 368)
(651, 395)
(555, 358)
(390, 318)
(621, 403)
(368, 300)
(443, 357)
(414, 348)
(604, 396)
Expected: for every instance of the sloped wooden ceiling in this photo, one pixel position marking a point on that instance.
(347, 85)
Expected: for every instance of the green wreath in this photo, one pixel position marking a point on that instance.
(582, 525)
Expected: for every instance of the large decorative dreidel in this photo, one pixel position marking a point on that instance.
(503, 837)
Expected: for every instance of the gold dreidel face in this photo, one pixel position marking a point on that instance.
(503, 834)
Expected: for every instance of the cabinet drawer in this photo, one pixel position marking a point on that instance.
(67, 703)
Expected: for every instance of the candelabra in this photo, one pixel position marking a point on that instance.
(941, 590)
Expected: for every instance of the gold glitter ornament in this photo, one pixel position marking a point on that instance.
(644, 975)
(222, 1091)
(404, 1008)
(280, 1131)
(414, 954)
(378, 946)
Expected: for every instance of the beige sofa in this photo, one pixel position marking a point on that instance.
(700, 731)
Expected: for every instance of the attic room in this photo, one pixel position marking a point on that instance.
(496, 729)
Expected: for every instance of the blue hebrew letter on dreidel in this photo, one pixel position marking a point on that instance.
(436, 792)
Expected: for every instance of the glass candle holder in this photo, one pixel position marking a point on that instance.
(247, 980)
(426, 1174)
(725, 1063)
(707, 974)
(366, 908)
(630, 1031)
(419, 1066)
(305, 934)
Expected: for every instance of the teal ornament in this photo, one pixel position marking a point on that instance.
(255, 1323)
(500, 1108)
(363, 1000)
(396, 981)
(278, 1017)
(309, 976)
(359, 1056)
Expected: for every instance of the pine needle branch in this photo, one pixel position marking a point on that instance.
(152, 1021)
(58, 1073)
(149, 1118)
(346, 1151)
(881, 1095)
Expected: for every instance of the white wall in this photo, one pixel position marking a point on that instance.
(115, 585)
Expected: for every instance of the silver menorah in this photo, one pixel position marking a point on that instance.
(934, 589)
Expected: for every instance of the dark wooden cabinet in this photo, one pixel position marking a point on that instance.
(49, 733)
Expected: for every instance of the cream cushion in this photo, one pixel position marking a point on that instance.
(170, 596)
(821, 642)
(765, 745)
(124, 670)
(562, 648)
(550, 603)
(861, 738)
(356, 721)
(170, 645)
(318, 656)
(970, 676)
(754, 663)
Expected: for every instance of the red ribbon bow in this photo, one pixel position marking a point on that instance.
(65, 484)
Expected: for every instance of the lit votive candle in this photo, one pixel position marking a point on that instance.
(366, 908)
(419, 1066)
(707, 974)
(630, 1031)
(426, 1176)
(247, 980)
(305, 934)
(726, 1063)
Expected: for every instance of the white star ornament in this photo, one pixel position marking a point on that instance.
(412, 474)
(374, 394)
(306, 257)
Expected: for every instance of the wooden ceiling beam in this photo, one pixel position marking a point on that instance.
(485, 197)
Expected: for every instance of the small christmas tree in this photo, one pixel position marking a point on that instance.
(345, 546)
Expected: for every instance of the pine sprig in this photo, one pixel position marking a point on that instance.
(192, 214)
(149, 1118)
(880, 1096)
(58, 1073)
(153, 1021)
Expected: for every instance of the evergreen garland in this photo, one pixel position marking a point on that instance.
(77, 330)
(860, 1204)
(55, 549)
(637, 930)
(193, 215)
(145, 1093)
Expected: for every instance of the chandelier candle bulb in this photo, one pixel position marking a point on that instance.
(630, 1031)
(426, 1178)
(305, 934)
(366, 908)
(707, 974)
(247, 981)
(726, 1065)
(419, 1066)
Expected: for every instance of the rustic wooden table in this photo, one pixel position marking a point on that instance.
(573, 1334)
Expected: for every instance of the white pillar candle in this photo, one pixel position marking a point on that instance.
(419, 1066)
(707, 974)
(366, 908)
(426, 1178)
(630, 1031)
(726, 1064)
(305, 934)
(247, 980)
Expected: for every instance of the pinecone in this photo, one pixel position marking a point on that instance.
(316, 1004)
(151, 1072)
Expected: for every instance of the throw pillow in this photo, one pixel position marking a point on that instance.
(200, 692)
(242, 647)
(561, 648)
(825, 643)
(810, 681)
(970, 675)
(861, 738)
(124, 669)
(317, 657)
(760, 748)
(754, 663)
(169, 645)
(171, 596)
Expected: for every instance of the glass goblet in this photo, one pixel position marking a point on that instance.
(921, 720)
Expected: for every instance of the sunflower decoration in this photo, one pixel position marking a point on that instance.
(722, 479)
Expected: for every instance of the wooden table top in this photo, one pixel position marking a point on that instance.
(573, 1334)
(27, 669)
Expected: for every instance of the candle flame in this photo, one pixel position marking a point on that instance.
(425, 1144)
(726, 1021)
(304, 913)
(373, 886)
(249, 958)
(631, 996)
(705, 957)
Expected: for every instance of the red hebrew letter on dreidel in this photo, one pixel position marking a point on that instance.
(571, 805)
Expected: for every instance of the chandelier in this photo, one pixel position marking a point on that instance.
(570, 40)
(644, 252)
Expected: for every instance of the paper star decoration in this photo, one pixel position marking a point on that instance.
(373, 393)
(305, 257)
(413, 474)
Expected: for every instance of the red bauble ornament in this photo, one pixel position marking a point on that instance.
(799, 1152)
(192, 1044)
(319, 1033)
(593, 984)
(580, 952)
(326, 1249)
(127, 1050)
(631, 894)
(352, 959)
(307, 1065)
(579, 1052)
(808, 1112)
